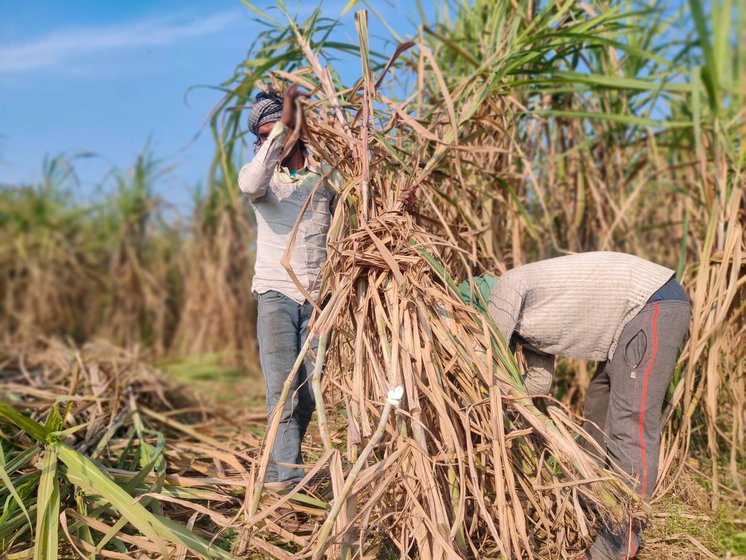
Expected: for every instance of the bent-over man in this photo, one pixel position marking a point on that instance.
(628, 314)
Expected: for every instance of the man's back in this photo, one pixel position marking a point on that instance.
(575, 305)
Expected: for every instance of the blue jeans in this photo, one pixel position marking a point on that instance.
(282, 326)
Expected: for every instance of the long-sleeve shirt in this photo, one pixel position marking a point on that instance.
(278, 196)
(574, 306)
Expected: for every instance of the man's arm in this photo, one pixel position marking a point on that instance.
(539, 372)
(504, 306)
(254, 177)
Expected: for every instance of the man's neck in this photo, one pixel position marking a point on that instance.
(296, 160)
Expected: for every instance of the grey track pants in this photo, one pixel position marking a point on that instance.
(625, 399)
(626, 395)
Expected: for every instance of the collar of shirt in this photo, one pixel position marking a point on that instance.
(310, 166)
(286, 175)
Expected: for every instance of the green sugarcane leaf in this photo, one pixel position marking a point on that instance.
(351, 4)
(710, 70)
(83, 531)
(26, 485)
(5, 477)
(86, 474)
(682, 250)
(32, 428)
(62, 434)
(617, 82)
(54, 420)
(21, 459)
(47, 509)
(614, 117)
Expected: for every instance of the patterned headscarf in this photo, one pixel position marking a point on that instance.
(268, 108)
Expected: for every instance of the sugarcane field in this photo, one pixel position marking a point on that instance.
(446, 280)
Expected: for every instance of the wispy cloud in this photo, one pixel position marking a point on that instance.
(69, 44)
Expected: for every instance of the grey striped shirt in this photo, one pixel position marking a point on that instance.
(576, 305)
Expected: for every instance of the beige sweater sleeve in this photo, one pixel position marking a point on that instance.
(539, 372)
(254, 177)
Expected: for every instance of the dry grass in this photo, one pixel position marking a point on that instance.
(161, 442)
(119, 270)
(153, 438)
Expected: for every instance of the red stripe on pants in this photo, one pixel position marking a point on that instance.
(642, 401)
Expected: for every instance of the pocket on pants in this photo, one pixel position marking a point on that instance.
(635, 349)
(267, 297)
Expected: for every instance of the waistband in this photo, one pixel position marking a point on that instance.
(671, 290)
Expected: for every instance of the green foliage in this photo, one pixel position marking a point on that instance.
(64, 473)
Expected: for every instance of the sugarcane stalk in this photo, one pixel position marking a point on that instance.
(356, 408)
(356, 401)
(392, 400)
(361, 22)
(318, 395)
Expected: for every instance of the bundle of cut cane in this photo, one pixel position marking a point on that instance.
(465, 464)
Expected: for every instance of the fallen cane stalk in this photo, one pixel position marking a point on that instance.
(393, 399)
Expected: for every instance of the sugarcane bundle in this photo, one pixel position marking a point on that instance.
(471, 465)
(465, 464)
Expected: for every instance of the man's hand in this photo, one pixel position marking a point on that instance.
(408, 198)
(288, 105)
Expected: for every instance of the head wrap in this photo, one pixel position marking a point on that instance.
(268, 108)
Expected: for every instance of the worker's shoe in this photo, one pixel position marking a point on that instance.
(621, 545)
(281, 488)
(286, 488)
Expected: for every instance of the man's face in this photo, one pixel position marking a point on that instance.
(264, 130)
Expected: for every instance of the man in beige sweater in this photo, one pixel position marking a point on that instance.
(285, 190)
(630, 316)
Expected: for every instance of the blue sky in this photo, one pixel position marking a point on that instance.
(98, 76)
